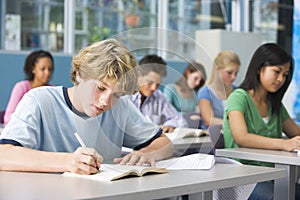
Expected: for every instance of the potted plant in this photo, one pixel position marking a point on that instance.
(99, 33)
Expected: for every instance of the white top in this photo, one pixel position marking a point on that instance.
(158, 109)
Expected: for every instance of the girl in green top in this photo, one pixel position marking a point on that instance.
(254, 114)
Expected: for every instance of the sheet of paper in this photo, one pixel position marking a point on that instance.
(193, 161)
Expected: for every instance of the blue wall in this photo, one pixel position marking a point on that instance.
(11, 68)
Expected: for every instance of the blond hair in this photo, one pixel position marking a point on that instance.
(107, 60)
(223, 60)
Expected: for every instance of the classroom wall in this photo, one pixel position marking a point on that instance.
(211, 42)
(11, 68)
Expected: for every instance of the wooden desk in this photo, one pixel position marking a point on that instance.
(284, 188)
(25, 186)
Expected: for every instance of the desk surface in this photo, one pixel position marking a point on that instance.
(273, 156)
(191, 142)
(17, 185)
(181, 143)
(186, 143)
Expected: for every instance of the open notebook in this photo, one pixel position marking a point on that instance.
(111, 172)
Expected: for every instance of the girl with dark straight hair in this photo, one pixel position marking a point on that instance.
(268, 55)
(255, 116)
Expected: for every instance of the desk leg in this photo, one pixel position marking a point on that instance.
(284, 188)
(201, 196)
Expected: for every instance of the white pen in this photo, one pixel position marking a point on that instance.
(83, 145)
(80, 140)
(148, 118)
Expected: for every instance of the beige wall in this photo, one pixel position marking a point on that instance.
(210, 42)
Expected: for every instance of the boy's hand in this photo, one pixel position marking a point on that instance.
(85, 161)
(136, 158)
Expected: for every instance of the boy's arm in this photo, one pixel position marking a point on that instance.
(160, 148)
(16, 158)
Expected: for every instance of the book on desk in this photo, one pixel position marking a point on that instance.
(112, 172)
(186, 133)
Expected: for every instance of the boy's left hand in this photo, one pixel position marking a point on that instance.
(136, 158)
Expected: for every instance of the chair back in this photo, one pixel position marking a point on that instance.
(216, 137)
(2, 112)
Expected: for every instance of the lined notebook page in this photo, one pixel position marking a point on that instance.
(193, 161)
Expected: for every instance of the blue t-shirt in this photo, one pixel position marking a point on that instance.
(44, 120)
(217, 104)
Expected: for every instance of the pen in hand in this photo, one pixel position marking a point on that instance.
(84, 146)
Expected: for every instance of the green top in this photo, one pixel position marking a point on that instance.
(241, 101)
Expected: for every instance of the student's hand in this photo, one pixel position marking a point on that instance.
(292, 144)
(136, 158)
(167, 129)
(85, 161)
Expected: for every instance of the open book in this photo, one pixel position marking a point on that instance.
(197, 133)
(186, 132)
(112, 172)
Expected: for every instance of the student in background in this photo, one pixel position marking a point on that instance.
(254, 114)
(213, 95)
(40, 136)
(183, 93)
(150, 100)
(38, 68)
